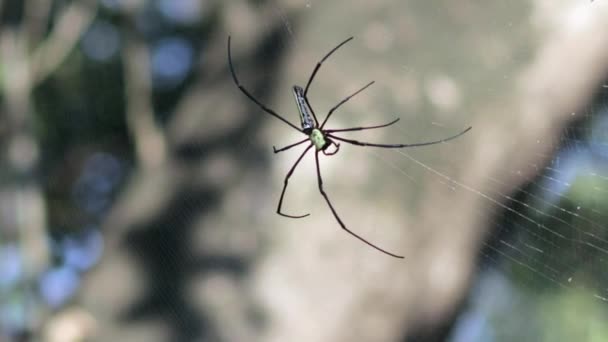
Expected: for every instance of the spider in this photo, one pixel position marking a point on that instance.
(320, 138)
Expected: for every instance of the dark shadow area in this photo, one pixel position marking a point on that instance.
(163, 247)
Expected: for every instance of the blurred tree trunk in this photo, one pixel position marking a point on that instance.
(29, 55)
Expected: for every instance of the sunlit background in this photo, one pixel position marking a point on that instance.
(138, 187)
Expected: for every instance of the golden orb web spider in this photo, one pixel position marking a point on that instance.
(322, 138)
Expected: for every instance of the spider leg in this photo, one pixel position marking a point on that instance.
(251, 97)
(344, 101)
(286, 181)
(289, 146)
(360, 128)
(314, 72)
(338, 217)
(360, 143)
(312, 111)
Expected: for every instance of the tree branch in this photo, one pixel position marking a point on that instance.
(70, 26)
(36, 19)
(149, 140)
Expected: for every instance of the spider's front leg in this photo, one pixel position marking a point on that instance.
(274, 149)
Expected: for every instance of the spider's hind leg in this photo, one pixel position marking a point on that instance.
(331, 207)
(286, 181)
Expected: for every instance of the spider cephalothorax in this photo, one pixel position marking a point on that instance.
(322, 138)
(320, 141)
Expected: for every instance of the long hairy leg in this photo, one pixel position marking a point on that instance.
(314, 72)
(251, 97)
(360, 128)
(331, 111)
(274, 149)
(286, 181)
(361, 143)
(338, 217)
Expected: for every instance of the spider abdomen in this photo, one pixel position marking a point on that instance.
(306, 119)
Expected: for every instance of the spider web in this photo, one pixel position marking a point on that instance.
(547, 244)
